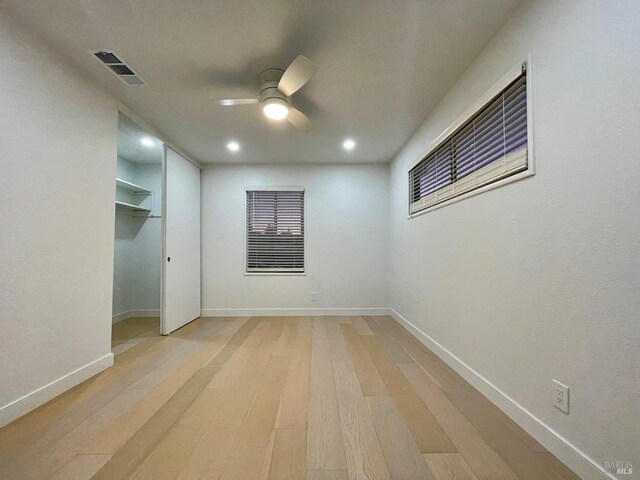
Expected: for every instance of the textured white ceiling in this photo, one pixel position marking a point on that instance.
(382, 66)
(131, 146)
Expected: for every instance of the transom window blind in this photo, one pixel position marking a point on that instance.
(491, 145)
(275, 231)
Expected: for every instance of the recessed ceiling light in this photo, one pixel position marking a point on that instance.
(147, 142)
(349, 144)
(233, 146)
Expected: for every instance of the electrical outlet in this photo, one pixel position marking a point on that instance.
(314, 297)
(561, 396)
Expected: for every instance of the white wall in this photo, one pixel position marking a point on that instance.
(539, 279)
(58, 162)
(125, 170)
(138, 248)
(148, 253)
(126, 229)
(346, 238)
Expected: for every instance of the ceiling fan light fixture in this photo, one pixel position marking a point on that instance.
(276, 86)
(275, 108)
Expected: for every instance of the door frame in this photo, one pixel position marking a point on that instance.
(163, 304)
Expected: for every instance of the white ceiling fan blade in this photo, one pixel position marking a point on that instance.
(298, 73)
(299, 120)
(237, 101)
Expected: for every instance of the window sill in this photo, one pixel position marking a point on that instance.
(505, 181)
(276, 274)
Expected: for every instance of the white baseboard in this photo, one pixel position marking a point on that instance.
(569, 454)
(23, 405)
(118, 317)
(292, 312)
(150, 312)
(135, 313)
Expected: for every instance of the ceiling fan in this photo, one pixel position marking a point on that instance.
(276, 88)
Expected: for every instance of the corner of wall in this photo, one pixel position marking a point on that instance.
(562, 448)
(40, 396)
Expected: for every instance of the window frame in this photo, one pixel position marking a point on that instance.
(246, 237)
(477, 106)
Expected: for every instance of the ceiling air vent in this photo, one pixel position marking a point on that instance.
(118, 67)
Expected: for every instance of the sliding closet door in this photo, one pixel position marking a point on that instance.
(181, 216)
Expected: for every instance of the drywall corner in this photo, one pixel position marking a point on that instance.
(42, 395)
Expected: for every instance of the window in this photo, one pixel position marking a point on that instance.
(275, 230)
(487, 146)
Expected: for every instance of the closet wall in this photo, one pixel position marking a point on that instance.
(138, 247)
(58, 152)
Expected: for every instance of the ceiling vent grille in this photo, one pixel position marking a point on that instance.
(118, 67)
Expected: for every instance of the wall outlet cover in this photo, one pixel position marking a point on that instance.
(561, 396)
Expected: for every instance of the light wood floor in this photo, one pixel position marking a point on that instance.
(128, 333)
(322, 398)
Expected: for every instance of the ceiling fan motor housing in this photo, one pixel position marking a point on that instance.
(269, 85)
(276, 87)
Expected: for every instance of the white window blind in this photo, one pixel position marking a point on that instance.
(489, 146)
(275, 231)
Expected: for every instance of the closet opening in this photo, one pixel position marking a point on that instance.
(137, 273)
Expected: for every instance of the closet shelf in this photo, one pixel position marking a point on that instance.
(134, 208)
(132, 187)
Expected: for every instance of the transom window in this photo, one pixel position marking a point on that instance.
(490, 145)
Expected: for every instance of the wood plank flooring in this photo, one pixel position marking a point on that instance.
(273, 398)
